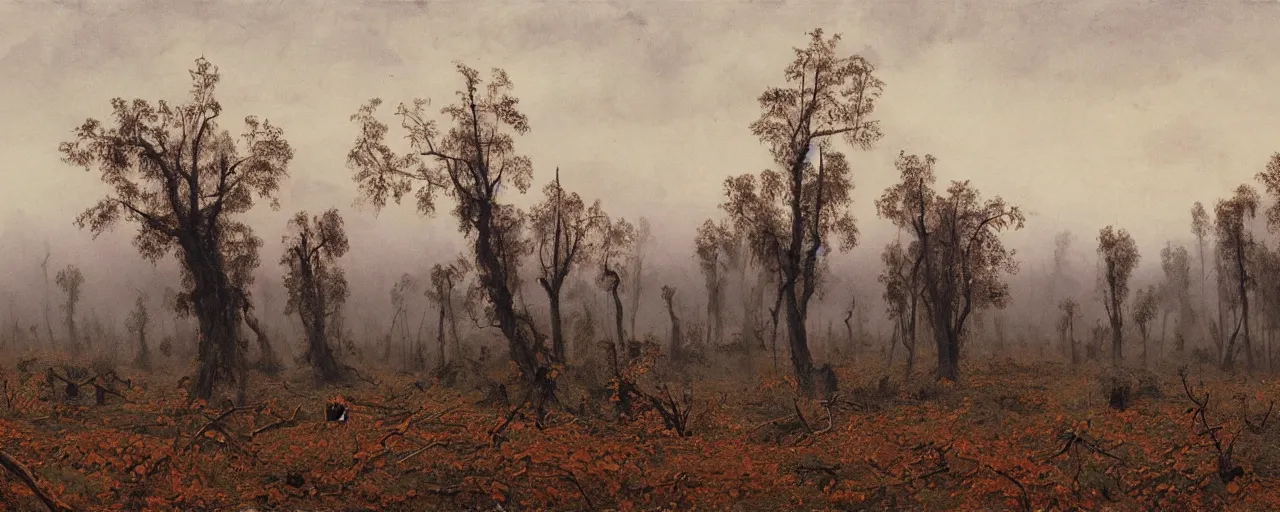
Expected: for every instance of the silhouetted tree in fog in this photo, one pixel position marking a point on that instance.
(399, 306)
(48, 294)
(802, 203)
(137, 324)
(182, 180)
(1119, 256)
(644, 236)
(1200, 225)
(668, 298)
(1235, 242)
(1176, 264)
(902, 295)
(957, 238)
(1270, 178)
(472, 161)
(1145, 306)
(714, 247)
(564, 229)
(70, 280)
(317, 286)
(444, 280)
(616, 238)
(1067, 328)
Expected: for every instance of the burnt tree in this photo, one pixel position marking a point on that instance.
(1119, 257)
(802, 203)
(70, 280)
(564, 230)
(183, 180)
(668, 298)
(317, 286)
(1235, 243)
(957, 239)
(472, 161)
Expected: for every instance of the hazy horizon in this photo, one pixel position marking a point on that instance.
(1085, 113)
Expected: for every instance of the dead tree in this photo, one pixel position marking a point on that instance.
(616, 238)
(444, 278)
(962, 259)
(1144, 311)
(471, 161)
(801, 207)
(182, 180)
(317, 286)
(564, 228)
(668, 297)
(138, 322)
(1119, 255)
(1235, 243)
(70, 280)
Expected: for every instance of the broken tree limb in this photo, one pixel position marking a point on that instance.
(283, 422)
(27, 477)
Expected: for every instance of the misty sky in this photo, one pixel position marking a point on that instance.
(1087, 113)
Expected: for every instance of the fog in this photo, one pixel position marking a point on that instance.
(1085, 113)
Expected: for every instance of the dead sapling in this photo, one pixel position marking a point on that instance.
(1228, 470)
(1073, 442)
(675, 415)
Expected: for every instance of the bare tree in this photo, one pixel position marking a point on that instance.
(1145, 305)
(1119, 257)
(48, 293)
(444, 279)
(138, 322)
(399, 296)
(564, 229)
(668, 297)
(1200, 225)
(472, 162)
(644, 235)
(70, 280)
(616, 239)
(957, 238)
(800, 205)
(714, 247)
(1067, 327)
(902, 295)
(182, 180)
(1176, 264)
(317, 285)
(1235, 242)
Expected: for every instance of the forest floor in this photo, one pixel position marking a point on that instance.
(1009, 436)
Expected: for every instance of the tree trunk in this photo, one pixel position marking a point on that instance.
(557, 325)
(1117, 339)
(268, 362)
(220, 350)
(801, 359)
(440, 360)
(494, 278)
(621, 354)
(676, 342)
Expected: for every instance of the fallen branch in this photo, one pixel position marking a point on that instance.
(19, 470)
(283, 422)
(1024, 501)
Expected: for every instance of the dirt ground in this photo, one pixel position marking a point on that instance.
(1009, 436)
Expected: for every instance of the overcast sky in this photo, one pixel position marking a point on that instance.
(1087, 113)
